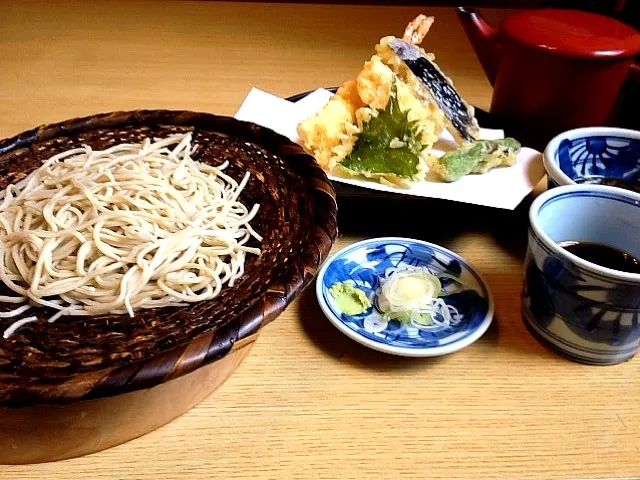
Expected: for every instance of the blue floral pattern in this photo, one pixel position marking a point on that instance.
(364, 264)
(600, 156)
(600, 312)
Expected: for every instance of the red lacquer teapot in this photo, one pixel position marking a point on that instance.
(553, 69)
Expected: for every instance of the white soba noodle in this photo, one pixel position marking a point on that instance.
(113, 231)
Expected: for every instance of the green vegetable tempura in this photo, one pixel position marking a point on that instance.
(477, 157)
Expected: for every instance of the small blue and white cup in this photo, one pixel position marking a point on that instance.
(586, 312)
(591, 154)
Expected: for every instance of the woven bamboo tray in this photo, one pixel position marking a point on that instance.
(91, 383)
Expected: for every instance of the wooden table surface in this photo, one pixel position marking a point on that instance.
(308, 402)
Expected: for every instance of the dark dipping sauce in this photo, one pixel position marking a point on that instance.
(603, 255)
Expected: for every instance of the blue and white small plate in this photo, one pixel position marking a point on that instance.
(593, 154)
(364, 263)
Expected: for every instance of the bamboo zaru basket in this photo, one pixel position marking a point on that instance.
(87, 383)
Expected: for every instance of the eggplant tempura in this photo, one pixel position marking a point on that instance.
(383, 124)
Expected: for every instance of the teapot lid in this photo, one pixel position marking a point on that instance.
(572, 32)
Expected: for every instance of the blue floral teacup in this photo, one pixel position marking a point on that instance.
(587, 312)
(600, 155)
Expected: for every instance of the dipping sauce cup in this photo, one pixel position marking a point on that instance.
(587, 312)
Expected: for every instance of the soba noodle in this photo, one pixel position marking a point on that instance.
(127, 228)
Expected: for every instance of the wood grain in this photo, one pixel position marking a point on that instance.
(308, 403)
(89, 426)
